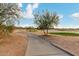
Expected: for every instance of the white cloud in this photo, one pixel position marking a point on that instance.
(19, 4)
(70, 26)
(29, 10)
(26, 25)
(75, 15)
(35, 5)
(60, 16)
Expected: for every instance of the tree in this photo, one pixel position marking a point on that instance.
(46, 20)
(9, 13)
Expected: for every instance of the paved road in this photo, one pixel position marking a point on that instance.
(39, 47)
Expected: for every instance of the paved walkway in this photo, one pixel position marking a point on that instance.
(39, 47)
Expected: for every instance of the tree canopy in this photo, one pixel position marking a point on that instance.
(9, 12)
(9, 15)
(46, 20)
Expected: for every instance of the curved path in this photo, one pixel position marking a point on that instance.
(39, 47)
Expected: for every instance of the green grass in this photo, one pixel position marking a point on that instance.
(65, 33)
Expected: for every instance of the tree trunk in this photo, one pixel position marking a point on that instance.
(44, 31)
(47, 31)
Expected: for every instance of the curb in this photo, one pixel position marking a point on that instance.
(57, 46)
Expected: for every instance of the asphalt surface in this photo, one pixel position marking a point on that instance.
(40, 47)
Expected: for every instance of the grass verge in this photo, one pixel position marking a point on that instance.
(65, 33)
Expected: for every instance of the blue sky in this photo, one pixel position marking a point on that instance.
(68, 12)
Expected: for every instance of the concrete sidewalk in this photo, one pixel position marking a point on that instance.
(39, 47)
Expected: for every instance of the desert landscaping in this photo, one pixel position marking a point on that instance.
(30, 30)
(13, 45)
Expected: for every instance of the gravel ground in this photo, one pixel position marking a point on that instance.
(14, 45)
(69, 43)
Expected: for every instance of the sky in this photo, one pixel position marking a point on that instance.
(68, 13)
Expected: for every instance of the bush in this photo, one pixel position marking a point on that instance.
(31, 29)
(5, 30)
(9, 29)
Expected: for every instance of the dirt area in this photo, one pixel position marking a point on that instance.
(69, 43)
(14, 45)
